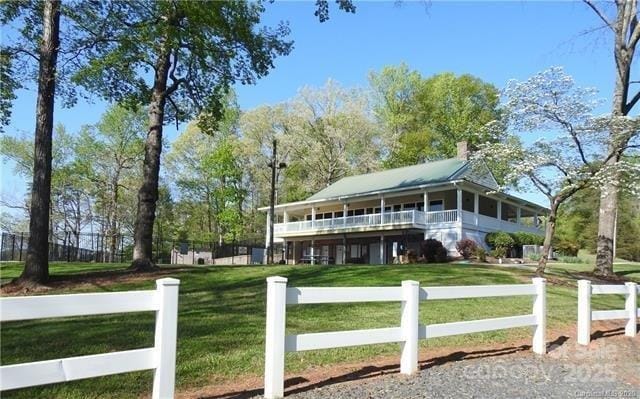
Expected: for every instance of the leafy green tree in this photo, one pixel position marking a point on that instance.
(193, 54)
(426, 118)
(108, 158)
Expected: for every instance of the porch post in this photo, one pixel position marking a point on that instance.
(313, 260)
(518, 211)
(476, 207)
(499, 210)
(535, 219)
(344, 251)
(293, 257)
(425, 200)
(345, 210)
(459, 204)
(381, 209)
(267, 239)
(313, 217)
(285, 217)
(382, 249)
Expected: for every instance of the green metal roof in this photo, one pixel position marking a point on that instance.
(392, 179)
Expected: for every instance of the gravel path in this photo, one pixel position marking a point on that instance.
(519, 376)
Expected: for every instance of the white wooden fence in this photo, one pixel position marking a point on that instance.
(161, 358)
(410, 331)
(586, 315)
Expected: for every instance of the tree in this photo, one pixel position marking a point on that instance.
(569, 153)
(626, 30)
(426, 118)
(36, 268)
(208, 172)
(108, 158)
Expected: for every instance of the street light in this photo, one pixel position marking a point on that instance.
(274, 164)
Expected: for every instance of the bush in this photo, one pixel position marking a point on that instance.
(412, 256)
(535, 257)
(566, 247)
(481, 254)
(570, 259)
(526, 238)
(433, 251)
(466, 247)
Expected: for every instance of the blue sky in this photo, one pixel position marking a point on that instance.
(495, 41)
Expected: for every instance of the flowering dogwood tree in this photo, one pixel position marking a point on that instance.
(555, 143)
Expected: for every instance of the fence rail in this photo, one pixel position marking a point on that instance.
(631, 312)
(410, 294)
(161, 357)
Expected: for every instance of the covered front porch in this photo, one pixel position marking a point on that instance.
(383, 248)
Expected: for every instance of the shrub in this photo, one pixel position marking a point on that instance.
(466, 247)
(433, 251)
(535, 257)
(412, 256)
(566, 247)
(570, 259)
(499, 252)
(526, 238)
(480, 253)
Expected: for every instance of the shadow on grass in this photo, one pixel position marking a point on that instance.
(300, 384)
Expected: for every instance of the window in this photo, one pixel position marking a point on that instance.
(436, 205)
(488, 207)
(387, 209)
(420, 206)
(409, 206)
(319, 216)
(328, 215)
(350, 212)
(308, 217)
(369, 211)
(468, 201)
(377, 210)
(509, 213)
(359, 212)
(397, 208)
(338, 214)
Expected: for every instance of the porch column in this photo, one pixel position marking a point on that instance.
(267, 239)
(382, 249)
(345, 210)
(459, 204)
(499, 211)
(344, 251)
(285, 216)
(313, 261)
(313, 217)
(293, 250)
(518, 211)
(476, 207)
(535, 219)
(425, 200)
(381, 209)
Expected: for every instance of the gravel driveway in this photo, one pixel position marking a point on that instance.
(608, 368)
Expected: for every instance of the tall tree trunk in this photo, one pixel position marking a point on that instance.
(114, 217)
(549, 231)
(626, 34)
(36, 268)
(148, 192)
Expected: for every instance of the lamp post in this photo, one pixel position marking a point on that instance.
(274, 165)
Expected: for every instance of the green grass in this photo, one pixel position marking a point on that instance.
(222, 317)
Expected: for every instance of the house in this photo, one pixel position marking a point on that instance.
(373, 218)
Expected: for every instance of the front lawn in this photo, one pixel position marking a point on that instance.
(222, 316)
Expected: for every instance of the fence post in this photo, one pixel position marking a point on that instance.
(540, 312)
(409, 326)
(584, 312)
(274, 337)
(631, 306)
(165, 338)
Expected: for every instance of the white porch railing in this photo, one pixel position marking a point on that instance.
(412, 217)
(161, 357)
(410, 294)
(631, 312)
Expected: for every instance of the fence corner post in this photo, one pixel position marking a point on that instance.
(631, 306)
(409, 326)
(274, 337)
(540, 313)
(584, 312)
(165, 338)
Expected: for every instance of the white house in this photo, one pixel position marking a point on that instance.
(372, 218)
